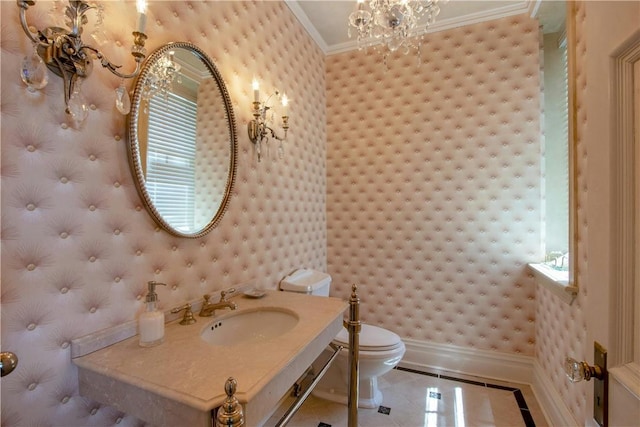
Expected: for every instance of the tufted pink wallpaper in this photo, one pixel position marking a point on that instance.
(78, 247)
(433, 185)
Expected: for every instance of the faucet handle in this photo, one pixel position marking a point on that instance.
(188, 318)
(206, 298)
(224, 293)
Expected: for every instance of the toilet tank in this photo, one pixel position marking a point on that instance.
(306, 281)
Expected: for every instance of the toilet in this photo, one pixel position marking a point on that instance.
(380, 350)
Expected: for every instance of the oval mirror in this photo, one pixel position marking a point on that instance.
(182, 140)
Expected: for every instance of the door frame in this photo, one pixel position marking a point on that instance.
(625, 245)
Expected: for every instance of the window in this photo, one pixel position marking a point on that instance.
(554, 272)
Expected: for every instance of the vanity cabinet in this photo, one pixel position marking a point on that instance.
(182, 380)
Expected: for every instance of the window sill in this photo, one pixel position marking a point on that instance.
(555, 281)
(629, 376)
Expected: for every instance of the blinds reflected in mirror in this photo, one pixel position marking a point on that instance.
(170, 160)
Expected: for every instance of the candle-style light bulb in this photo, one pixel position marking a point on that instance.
(142, 6)
(285, 105)
(256, 90)
(142, 17)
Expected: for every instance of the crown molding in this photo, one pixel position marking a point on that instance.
(533, 6)
(529, 7)
(306, 23)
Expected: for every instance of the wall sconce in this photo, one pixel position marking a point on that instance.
(63, 52)
(258, 128)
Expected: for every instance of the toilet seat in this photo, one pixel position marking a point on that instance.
(371, 338)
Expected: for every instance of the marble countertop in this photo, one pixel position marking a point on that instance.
(186, 370)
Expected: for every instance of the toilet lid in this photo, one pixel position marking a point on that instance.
(372, 338)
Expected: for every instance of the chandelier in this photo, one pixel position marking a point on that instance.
(394, 23)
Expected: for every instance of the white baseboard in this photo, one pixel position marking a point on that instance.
(555, 410)
(482, 363)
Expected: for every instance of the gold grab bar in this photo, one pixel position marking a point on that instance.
(300, 400)
(353, 326)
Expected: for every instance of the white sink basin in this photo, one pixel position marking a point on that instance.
(249, 325)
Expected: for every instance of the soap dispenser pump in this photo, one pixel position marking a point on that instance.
(151, 321)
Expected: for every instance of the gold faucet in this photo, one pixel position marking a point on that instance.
(209, 308)
(188, 318)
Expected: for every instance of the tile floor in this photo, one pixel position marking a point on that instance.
(426, 399)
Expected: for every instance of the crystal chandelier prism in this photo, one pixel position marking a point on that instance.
(392, 23)
(159, 80)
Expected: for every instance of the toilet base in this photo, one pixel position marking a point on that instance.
(369, 396)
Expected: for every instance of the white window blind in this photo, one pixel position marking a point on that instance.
(565, 97)
(171, 158)
(556, 152)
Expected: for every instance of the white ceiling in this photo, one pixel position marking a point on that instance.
(327, 20)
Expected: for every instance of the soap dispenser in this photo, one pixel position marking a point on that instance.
(151, 321)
